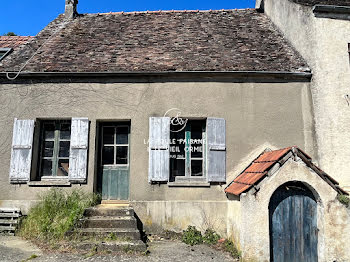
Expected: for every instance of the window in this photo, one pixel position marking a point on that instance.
(187, 151)
(196, 154)
(55, 148)
(4, 52)
(115, 145)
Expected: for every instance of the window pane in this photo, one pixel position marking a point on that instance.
(122, 135)
(48, 148)
(108, 135)
(65, 131)
(177, 145)
(196, 168)
(177, 167)
(63, 167)
(46, 169)
(196, 138)
(64, 149)
(122, 155)
(108, 155)
(49, 131)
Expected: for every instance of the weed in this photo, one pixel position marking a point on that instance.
(210, 237)
(56, 214)
(92, 252)
(30, 258)
(231, 248)
(192, 236)
(344, 200)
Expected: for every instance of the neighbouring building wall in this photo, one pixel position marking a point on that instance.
(332, 216)
(323, 42)
(277, 114)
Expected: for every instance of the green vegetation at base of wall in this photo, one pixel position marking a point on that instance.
(56, 214)
(192, 236)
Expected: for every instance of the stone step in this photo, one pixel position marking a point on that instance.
(136, 245)
(96, 211)
(7, 228)
(108, 222)
(9, 215)
(118, 233)
(8, 221)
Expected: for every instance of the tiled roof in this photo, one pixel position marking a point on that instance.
(13, 41)
(260, 167)
(323, 2)
(226, 40)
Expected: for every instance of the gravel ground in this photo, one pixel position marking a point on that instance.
(15, 249)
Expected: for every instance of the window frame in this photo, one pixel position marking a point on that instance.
(6, 50)
(115, 145)
(188, 158)
(56, 147)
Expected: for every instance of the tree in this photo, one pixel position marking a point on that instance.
(10, 34)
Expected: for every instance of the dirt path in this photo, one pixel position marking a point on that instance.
(15, 249)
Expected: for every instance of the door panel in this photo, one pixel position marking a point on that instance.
(115, 162)
(293, 225)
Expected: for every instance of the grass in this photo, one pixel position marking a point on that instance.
(192, 236)
(56, 214)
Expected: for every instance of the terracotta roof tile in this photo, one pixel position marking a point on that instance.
(13, 41)
(225, 40)
(249, 178)
(259, 168)
(237, 188)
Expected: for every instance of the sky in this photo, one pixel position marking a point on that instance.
(28, 17)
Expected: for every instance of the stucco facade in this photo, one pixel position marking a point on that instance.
(323, 42)
(253, 113)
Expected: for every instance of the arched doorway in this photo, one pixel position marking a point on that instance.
(293, 224)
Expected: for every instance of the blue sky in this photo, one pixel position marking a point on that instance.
(28, 17)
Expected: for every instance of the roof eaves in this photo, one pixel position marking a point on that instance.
(263, 76)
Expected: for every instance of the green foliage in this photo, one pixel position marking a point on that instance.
(30, 258)
(10, 34)
(192, 236)
(231, 248)
(56, 214)
(210, 237)
(344, 200)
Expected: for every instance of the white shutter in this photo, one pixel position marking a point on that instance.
(159, 135)
(216, 149)
(21, 153)
(78, 150)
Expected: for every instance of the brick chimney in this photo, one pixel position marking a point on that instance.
(71, 9)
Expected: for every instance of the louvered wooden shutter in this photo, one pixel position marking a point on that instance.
(21, 153)
(216, 148)
(78, 150)
(159, 135)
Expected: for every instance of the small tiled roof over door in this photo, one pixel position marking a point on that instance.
(259, 168)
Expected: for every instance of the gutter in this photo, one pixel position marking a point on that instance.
(234, 76)
(332, 12)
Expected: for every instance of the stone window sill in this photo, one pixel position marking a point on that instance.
(188, 184)
(50, 182)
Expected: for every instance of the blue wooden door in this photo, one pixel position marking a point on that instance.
(115, 161)
(293, 224)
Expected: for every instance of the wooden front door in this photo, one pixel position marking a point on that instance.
(115, 161)
(293, 224)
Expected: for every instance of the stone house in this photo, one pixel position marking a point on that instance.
(163, 110)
